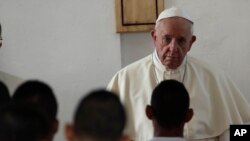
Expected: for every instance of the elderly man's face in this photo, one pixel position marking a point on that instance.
(173, 39)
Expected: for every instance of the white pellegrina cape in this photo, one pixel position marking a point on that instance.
(216, 101)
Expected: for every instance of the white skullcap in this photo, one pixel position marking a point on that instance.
(173, 12)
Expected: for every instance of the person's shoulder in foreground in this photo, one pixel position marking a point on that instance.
(10, 80)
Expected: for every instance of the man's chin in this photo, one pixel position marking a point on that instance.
(171, 66)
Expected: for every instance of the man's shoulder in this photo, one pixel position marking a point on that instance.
(200, 64)
(207, 70)
(10, 80)
(132, 73)
(139, 64)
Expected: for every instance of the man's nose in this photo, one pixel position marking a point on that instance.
(173, 45)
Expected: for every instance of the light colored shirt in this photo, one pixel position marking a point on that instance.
(216, 101)
(11, 81)
(167, 139)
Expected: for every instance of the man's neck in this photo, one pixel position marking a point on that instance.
(162, 132)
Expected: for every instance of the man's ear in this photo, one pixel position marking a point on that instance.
(153, 35)
(189, 115)
(125, 138)
(149, 112)
(193, 39)
(55, 126)
(69, 132)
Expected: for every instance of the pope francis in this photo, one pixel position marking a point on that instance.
(216, 101)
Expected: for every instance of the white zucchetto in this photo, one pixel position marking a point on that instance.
(173, 12)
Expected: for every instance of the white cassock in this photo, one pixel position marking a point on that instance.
(216, 101)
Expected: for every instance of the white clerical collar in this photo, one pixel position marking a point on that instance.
(162, 68)
(161, 73)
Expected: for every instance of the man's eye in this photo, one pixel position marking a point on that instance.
(181, 41)
(166, 40)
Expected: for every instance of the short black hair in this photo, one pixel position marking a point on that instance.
(170, 103)
(20, 122)
(4, 94)
(38, 93)
(100, 115)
